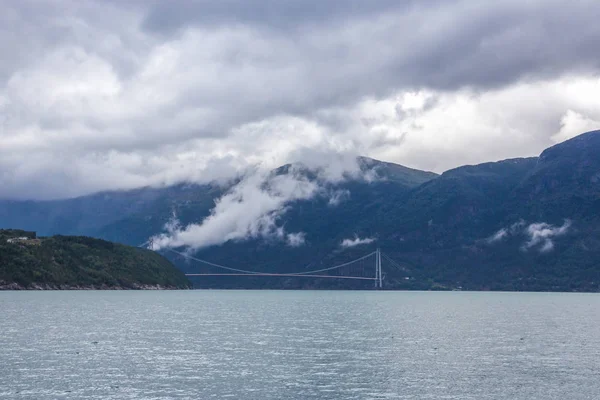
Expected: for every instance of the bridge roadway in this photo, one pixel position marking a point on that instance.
(290, 275)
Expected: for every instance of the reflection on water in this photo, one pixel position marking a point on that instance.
(298, 345)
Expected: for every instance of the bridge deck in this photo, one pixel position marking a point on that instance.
(290, 275)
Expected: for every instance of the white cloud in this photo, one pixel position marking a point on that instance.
(253, 207)
(498, 236)
(173, 224)
(573, 124)
(541, 235)
(459, 128)
(338, 196)
(471, 127)
(98, 95)
(504, 233)
(356, 241)
(296, 239)
(250, 210)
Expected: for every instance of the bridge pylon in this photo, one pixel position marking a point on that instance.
(378, 275)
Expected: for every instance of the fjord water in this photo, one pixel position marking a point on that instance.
(298, 345)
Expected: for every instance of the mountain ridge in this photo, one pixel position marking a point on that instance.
(437, 225)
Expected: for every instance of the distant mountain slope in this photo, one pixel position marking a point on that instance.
(95, 214)
(459, 199)
(565, 180)
(520, 224)
(81, 262)
(544, 214)
(132, 216)
(75, 216)
(397, 173)
(412, 224)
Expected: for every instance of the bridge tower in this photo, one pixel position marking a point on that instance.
(378, 277)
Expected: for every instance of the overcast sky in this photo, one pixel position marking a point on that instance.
(112, 94)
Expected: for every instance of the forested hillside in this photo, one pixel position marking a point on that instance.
(67, 262)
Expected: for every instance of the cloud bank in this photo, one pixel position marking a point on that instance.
(250, 210)
(253, 207)
(101, 94)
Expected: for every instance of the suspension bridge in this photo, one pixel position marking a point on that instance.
(365, 268)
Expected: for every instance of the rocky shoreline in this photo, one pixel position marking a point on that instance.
(48, 286)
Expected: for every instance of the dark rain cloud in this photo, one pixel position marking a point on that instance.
(275, 15)
(438, 44)
(122, 90)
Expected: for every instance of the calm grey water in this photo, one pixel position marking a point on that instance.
(298, 345)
